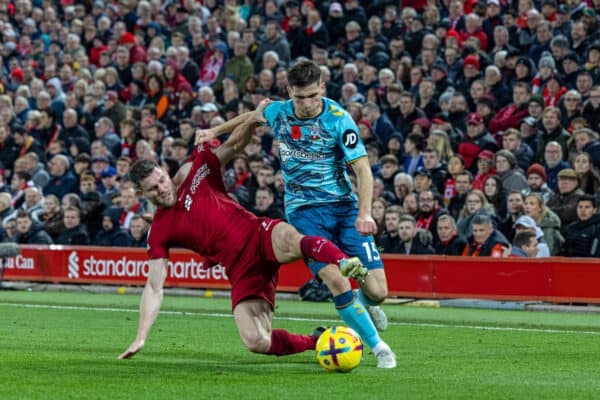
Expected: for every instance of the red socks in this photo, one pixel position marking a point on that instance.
(320, 249)
(283, 343)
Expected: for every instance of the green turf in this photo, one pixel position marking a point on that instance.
(56, 353)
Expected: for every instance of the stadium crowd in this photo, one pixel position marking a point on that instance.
(481, 119)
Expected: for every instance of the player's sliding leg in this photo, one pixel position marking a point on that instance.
(253, 318)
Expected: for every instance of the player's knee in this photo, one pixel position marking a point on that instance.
(334, 280)
(258, 344)
(378, 296)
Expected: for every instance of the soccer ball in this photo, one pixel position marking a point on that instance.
(339, 349)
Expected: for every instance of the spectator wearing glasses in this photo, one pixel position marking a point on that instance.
(429, 213)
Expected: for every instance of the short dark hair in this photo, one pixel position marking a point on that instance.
(23, 214)
(523, 238)
(304, 73)
(141, 170)
(408, 218)
(587, 197)
(482, 219)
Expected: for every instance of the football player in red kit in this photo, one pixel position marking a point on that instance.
(195, 212)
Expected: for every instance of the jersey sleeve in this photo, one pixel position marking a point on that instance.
(271, 111)
(349, 139)
(156, 243)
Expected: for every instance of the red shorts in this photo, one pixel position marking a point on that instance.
(256, 272)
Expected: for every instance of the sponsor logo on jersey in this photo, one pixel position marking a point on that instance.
(335, 111)
(199, 176)
(350, 138)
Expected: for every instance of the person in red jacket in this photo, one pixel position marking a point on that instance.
(511, 115)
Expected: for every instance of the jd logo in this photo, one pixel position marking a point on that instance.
(350, 139)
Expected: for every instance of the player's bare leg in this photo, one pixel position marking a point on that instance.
(374, 288)
(253, 318)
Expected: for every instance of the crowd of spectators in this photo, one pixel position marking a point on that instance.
(481, 118)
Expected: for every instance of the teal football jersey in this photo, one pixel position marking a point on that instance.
(314, 153)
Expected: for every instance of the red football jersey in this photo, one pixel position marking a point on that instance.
(204, 218)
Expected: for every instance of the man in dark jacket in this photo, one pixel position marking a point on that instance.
(62, 180)
(583, 235)
(138, 231)
(30, 232)
(389, 238)
(564, 201)
(412, 241)
(450, 244)
(437, 169)
(111, 233)
(485, 240)
(265, 204)
(9, 150)
(74, 233)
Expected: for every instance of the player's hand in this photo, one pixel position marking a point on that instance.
(132, 350)
(258, 115)
(204, 135)
(365, 225)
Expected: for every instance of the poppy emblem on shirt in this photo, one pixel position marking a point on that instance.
(296, 133)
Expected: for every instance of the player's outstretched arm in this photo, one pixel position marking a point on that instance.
(149, 306)
(206, 135)
(241, 135)
(364, 223)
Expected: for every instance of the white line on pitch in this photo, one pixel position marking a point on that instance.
(221, 315)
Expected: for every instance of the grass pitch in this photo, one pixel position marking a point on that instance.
(65, 346)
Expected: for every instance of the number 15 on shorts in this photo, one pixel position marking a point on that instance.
(371, 251)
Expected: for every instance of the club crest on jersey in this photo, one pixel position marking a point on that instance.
(188, 202)
(315, 132)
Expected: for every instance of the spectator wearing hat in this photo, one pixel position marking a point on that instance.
(476, 140)
(511, 115)
(110, 185)
(422, 180)
(563, 202)
(485, 168)
(571, 69)
(508, 170)
(62, 180)
(213, 63)
(526, 224)
(111, 234)
(582, 238)
(137, 53)
(471, 71)
(536, 182)
(562, 24)
(186, 103)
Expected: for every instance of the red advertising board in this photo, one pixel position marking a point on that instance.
(552, 279)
